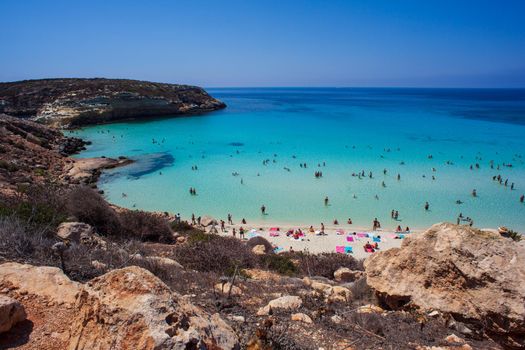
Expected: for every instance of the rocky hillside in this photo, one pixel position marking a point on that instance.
(475, 277)
(75, 102)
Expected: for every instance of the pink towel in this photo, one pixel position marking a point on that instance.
(362, 235)
(349, 238)
(340, 249)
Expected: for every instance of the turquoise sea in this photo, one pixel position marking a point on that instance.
(336, 131)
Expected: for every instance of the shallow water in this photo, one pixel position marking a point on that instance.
(349, 130)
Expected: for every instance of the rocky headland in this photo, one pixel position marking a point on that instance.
(77, 102)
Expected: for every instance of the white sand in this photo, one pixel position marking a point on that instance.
(321, 244)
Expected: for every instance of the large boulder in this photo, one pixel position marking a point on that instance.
(475, 276)
(127, 308)
(130, 308)
(11, 312)
(208, 221)
(44, 281)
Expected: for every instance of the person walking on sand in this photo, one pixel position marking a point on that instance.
(322, 229)
(230, 222)
(222, 226)
(193, 219)
(234, 233)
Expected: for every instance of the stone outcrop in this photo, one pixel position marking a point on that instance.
(90, 101)
(11, 312)
(344, 274)
(477, 277)
(128, 308)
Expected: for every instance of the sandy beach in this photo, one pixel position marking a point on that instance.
(313, 243)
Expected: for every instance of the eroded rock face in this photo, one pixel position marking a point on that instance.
(138, 311)
(11, 312)
(476, 276)
(91, 101)
(128, 308)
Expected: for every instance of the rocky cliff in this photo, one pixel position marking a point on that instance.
(76, 102)
(476, 277)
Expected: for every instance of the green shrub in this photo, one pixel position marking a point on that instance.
(280, 263)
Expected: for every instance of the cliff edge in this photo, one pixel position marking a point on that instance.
(77, 102)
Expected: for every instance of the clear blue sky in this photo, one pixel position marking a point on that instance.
(474, 43)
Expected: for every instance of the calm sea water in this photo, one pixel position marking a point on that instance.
(338, 132)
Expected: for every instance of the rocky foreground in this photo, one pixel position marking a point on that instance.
(76, 102)
(451, 287)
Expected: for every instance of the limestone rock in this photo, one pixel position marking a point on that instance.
(300, 317)
(208, 221)
(475, 275)
(90, 101)
(287, 302)
(344, 274)
(45, 281)
(259, 249)
(337, 293)
(225, 289)
(72, 231)
(11, 312)
(165, 262)
(124, 309)
(130, 308)
(369, 309)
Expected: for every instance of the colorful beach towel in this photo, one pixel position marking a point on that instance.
(340, 232)
(340, 249)
(349, 238)
(362, 235)
(348, 250)
(274, 234)
(277, 250)
(377, 239)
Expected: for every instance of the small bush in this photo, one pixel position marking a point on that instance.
(36, 205)
(22, 242)
(214, 254)
(514, 235)
(280, 263)
(325, 264)
(89, 207)
(145, 226)
(183, 227)
(197, 236)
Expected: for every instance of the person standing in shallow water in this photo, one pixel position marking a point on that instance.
(263, 209)
(427, 206)
(522, 198)
(326, 200)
